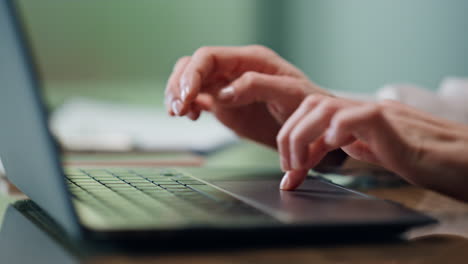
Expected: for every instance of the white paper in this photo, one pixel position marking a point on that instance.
(84, 124)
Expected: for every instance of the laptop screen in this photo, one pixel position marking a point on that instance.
(27, 150)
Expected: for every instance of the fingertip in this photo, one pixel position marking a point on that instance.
(285, 182)
(193, 115)
(176, 107)
(292, 179)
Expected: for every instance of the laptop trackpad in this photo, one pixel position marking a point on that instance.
(315, 201)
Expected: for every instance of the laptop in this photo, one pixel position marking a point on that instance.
(164, 204)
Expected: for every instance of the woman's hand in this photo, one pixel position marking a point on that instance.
(249, 89)
(425, 150)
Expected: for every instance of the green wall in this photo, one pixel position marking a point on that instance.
(360, 45)
(124, 39)
(353, 45)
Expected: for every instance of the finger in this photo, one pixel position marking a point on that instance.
(225, 62)
(360, 151)
(172, 101)
(309, 128)
(316, 152)
(368, 124)
(194, 112)
(205, 102)
(283, 136)
(254, 87)
(348, 122)
(292, 179)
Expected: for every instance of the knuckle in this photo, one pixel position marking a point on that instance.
(183, 59)
(304, 85)
(339, 122)
(376, 111)
(296, 138)
(204, 51)
(249, 78)
(280, 138)
(327, 103)
(258, 47)
(328, 106)
(311, 100)
(387, 103)
(261, 50)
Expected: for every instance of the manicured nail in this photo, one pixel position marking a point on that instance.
(184, 93)
(168, 99)
(226, 93)
(176, 106)
(330, 135)
(192, 115)
(285, 185)
(184, 88)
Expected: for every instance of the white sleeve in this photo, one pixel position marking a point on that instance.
(449, 102)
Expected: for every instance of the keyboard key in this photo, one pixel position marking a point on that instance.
(139, 196)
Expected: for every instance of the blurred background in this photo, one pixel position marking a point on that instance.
(122, 52)
(125, 50)
(104, 64)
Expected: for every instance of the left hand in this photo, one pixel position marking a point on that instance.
(250, 89)
(425, 150)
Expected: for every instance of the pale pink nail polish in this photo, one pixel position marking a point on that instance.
(176, 106)
(226, 93)
(285, 182)
(184, 88)
(330, 135)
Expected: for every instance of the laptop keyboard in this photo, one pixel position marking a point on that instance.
(143, 195)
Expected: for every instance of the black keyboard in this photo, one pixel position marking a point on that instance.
(169, 196)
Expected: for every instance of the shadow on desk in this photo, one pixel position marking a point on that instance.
(22, 241)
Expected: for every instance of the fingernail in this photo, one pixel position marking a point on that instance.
(192, 115)
(284, 185)
(296, 165)
(226, 93)
(184, 88)
(185, 92)
(168, 99)
(330, 135)
(176, 106)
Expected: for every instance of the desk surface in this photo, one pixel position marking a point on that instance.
(446, 242)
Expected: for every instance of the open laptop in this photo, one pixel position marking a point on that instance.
(164, 204)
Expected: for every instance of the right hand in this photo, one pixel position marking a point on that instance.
(250, 89)
(425, 150)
